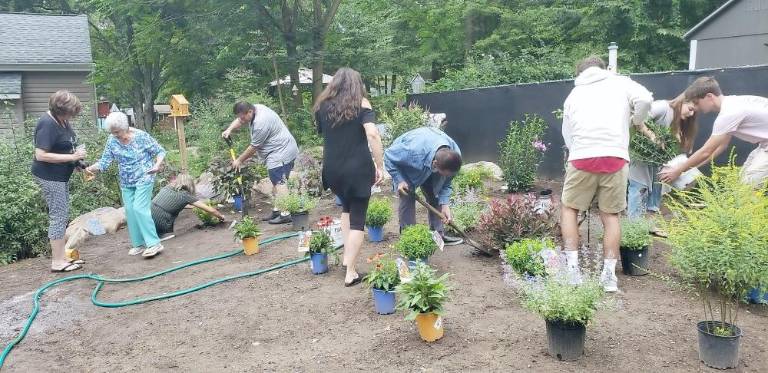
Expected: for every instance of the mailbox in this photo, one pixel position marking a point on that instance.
(179, 106)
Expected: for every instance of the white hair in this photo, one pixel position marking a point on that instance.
(116, 121)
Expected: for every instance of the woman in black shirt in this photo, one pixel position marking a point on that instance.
(345, 119)
(56, 157)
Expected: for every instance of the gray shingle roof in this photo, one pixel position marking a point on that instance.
(44, 39)
(10, 84)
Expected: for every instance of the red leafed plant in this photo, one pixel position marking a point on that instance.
(517, 217)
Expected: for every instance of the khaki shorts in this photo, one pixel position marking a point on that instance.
(581, 187)
(755, 170)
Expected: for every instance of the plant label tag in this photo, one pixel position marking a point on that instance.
(439, 323)
(438, 240)
(304, 238)
(403, 271)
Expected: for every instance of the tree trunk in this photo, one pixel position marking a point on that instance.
(394, 83)
(293, 68)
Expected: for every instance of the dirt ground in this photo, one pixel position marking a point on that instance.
(291, 320)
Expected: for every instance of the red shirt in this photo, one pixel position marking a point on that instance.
(599, 165)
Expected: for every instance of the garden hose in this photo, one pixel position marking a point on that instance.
(100, 281)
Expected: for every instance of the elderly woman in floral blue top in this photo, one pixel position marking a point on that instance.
(139, 157)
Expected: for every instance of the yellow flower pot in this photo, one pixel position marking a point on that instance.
(430, 326)
(251, 245)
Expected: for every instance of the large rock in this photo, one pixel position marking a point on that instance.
(496, 170)
(204, 186)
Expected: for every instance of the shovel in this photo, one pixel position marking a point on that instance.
(239, 177)
(467, 240)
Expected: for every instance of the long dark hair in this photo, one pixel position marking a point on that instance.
(683, 129)
(344, 96)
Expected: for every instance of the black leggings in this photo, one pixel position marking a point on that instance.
(356, 208)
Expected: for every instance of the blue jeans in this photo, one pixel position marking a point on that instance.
(640, 198)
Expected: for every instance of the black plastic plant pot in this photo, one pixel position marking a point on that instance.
(717, 351)
(300, 221)
(634, 262)
(566, 340)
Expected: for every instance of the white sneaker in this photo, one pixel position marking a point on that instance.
(136, 250)
(152, 251)
(573, 275)
(610, 282)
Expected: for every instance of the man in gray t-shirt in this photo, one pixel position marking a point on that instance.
(273, 142)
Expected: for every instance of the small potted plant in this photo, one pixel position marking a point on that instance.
(423, 298)
(523, 256)
(566, 309)
(382, 279)
(416, 244)
(248, 232)
(379, 212)
(635, 241)
(320, 246)
(720, 246)
(298, 205)
(206, 218)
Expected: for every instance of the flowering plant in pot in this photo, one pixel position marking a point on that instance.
(520, 152)
(423, 298)
(524, 258)
(383, 278)
(248, 232)
(379, 212)
(566, 309)
(416, 244)
(635, 242)
(298, 205)
(320, 248)
(720, 247)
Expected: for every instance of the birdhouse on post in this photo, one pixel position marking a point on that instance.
(179, 106)
(179, 111)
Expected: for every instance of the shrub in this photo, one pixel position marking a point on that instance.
(384, 274)
(206, 217)
(295, 203)
(416, 242)
(643, 149)
(723, 245)
(635, 234)
(402, 120)
(554, 299)
(523, 256)
(466, 210)
(246, 228)
(508, 220)
(310, 174)
(520, 152)
(424, 293)
(472, 179)
(379, 212)
(225, 177)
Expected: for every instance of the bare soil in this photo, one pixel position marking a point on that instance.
(291, 320)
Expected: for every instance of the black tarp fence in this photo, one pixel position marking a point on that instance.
(478, 118)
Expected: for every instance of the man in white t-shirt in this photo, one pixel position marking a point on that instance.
(745, 117)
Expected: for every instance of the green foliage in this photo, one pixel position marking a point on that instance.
(554, 299)
(723, 244)
(295, 202)
(206, 217)
(466, 209)
(642, 149)
(246, 228)
(321, 243)
(225, 178)
(402, 120)
(416, 242)
(384, 274)
(473, 178)
(635, 233)
(379, 212)
(520, 152)
(523, 256)
(424, 293)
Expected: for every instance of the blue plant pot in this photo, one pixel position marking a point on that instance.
(337, 200)
(319, 263)
(238, 202)
(412, 263)
(384, 301)
(375, 234)
(757, 297)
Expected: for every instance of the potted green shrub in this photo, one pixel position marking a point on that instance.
(225, 178)
(720, 247)
(379, 212)
(423, 298)
(320, 247)
(520, 152)
(416, 244)
(298, 205)
(635, 242)
(523, 256)
(382, 279)
(566, 309)
(248, 232)
(206, 218)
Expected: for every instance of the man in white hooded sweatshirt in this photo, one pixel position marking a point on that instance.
(596, 119)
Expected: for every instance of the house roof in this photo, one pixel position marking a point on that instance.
(305, 77)
(43, 42)
(10, 85)
(709, 18)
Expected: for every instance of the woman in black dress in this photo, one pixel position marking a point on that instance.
(345, 119)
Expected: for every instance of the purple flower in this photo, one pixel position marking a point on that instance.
(540, 146)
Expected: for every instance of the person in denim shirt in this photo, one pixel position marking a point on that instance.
(425, 157)
(139, 157)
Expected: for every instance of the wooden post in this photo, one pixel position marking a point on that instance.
(178, 122)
